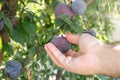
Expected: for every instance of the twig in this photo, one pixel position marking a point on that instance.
(89, 2)
(58, 29)
(28, 59)
(29, 75)
(59, 74)
(1, 56)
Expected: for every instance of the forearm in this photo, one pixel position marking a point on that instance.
(108, 61)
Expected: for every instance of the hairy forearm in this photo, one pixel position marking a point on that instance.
(109, 60)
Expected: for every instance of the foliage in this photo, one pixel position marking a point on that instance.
(37, 25)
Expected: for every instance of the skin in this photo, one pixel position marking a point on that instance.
(93, 57)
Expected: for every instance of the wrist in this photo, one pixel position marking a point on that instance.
(101, 59)
(107, 61)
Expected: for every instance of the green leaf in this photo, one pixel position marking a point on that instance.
(73, 25)
(102, 77)
(8, 48)
(8, 23)
(31, 51)
(58, 22)
(29, 28)
(19, 35)
(16, 36)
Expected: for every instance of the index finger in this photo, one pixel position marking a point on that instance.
(56, 53)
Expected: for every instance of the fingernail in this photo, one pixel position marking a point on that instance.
(46, 45)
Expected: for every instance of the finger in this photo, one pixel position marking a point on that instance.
(79, 65)
(72, 53)
(73, 38)
(60, 57)
(51, 56)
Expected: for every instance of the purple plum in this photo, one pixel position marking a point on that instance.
(13, 69)
(63, 8)
(61, 43)
(78, 7)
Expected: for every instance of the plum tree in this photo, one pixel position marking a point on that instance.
(63, 8)
(78, 7)
(13, 69)
(30, 24)
(61, 43)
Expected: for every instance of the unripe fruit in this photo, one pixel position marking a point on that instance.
(1, 24)
(13, 69)
(61, 43)
(78, 7)
(63, 8)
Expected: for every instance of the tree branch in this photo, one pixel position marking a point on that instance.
(1, 56)
(59, 74)
(28, 59)
(29, 75)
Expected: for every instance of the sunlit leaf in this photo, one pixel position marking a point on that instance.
(30, 28)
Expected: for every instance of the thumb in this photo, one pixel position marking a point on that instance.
(72, 38)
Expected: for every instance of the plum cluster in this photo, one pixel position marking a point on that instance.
(77, 7)
(13, 69)
(61, 43)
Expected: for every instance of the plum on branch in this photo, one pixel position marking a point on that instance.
(78, 7)
(63, 8)
(61, 43)
(13, 69)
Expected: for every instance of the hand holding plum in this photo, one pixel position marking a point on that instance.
(93, 57)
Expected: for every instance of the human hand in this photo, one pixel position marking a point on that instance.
(82, 62)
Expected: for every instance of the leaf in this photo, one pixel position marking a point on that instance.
(8, 23)
(16, 36)
(58, 22)
(31, 51)
(29, 28)
(34, 1)
(102, 77)
(73, 25)
(8, 48)
(19, 35)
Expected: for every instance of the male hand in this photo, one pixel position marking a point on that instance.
(82, 62)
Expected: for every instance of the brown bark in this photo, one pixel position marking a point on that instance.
(29, 75)
(1, 56)
(59, 74)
